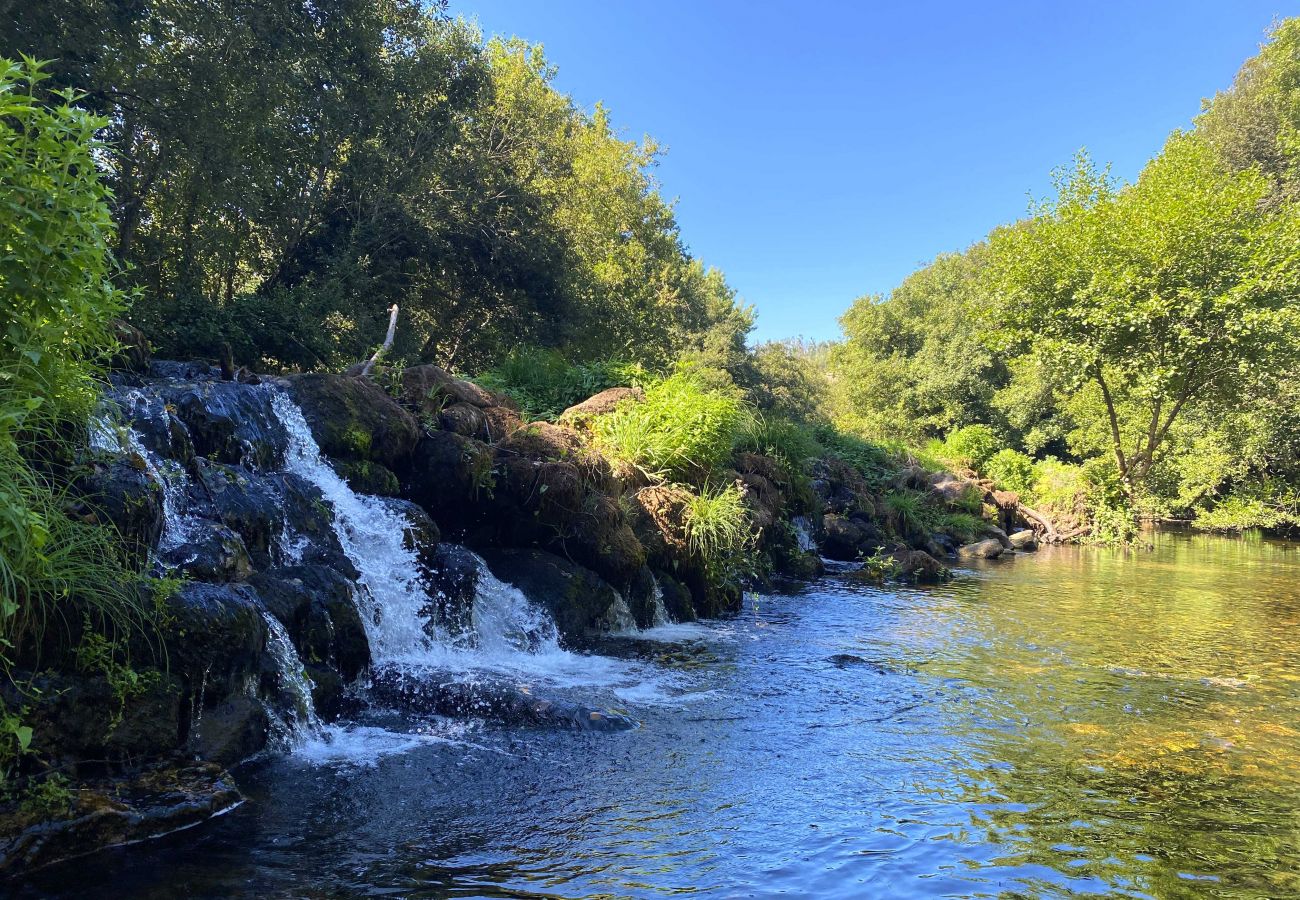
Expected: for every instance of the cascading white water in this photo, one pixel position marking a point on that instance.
(301, 722)
(372, 535)
(169, 474)
(509, 632)
(659, 613)
(803, 532)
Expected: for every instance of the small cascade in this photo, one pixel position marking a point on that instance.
(391, 597)
(803, 532)
(298, 722)
(169, 474)
(506, 623)
(659, 613)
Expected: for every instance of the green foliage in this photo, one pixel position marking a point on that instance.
(544, 384)
(880, 566)
(717, 522)
(1011, 469)
(963, 526)
(910, 513)
(682, 430)
(789, 443)
(58, 305)
(971, 446)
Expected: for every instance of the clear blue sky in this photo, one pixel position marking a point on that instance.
(820, 151)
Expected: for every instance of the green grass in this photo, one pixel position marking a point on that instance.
(717, 523)
(544, 384)
(681, 431)
(962, 525)
(910, 512)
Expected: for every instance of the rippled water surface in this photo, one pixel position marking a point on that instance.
(1070, 723)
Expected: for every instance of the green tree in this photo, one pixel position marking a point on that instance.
(1172, 292)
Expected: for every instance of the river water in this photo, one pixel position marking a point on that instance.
(1074, 722)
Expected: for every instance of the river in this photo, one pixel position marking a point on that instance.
(1074, 722)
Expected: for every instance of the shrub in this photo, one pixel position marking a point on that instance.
(58, 305)
(1011, 469)
(681, 430)
(970, 446)
(544, 384)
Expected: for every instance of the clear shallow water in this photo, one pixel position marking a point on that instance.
(1072, 723)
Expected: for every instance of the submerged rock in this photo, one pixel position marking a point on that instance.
(112, 813)
(987, 549)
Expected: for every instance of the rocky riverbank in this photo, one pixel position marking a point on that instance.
(319, 531)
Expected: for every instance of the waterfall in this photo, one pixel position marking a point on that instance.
(301, 722)
(509, 631)
(169, 474)
(391, 595)
(659, 613)
(803, 532)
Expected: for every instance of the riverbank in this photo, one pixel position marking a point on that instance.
(1080, 719)
(330, 541)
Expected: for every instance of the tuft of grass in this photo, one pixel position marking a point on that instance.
(962, 525)
(717, 523)
(910, 512)
(787, 442)
(682, 430)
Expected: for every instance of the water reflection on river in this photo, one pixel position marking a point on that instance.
(1070, 723)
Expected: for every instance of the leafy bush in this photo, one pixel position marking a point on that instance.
(971, 446)
(544, 384)
(681, 430)
(58, 305)
(1011, 469)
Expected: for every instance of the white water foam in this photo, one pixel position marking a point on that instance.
(803, 533)
(169, 474)
(300, 723)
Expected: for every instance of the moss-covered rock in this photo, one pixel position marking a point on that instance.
(582, 604)
(451, 477)
(367, 477)
(353, 419)
(122, 494)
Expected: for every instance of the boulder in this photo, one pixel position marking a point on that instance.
(367, 477)
(428, 389)
(582, 604)
(676, 598)
(230, 422)
(309, 535)
(230, 731)
(353, 419)
(1025, 540)
(213, 553)
(464, 418)
(920, 567)
(453, 584)
(215, 637)
(132, 352)
(986, 549)
(246, 503)
(121, 493)
(450, 476)
(316, 606)
(847, 539)
(600, 404)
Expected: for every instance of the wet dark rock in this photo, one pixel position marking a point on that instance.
(215, 637)
(676, 598)
(503, 702)
(243, 501)
(77, 718)
(848, 539)
(999, 535)
(230, 422)
(177, 371)
(316, 605)
(115, 812)
(156, 426)
(353, 419)
(640, 596)
(133, 351)
(231, 731)
(852, 660)
(449, 475)
(580, 601)
(453, 583)
(310, 521)
(840, 487)
(214, 553)
(121, 493)
(327, 687)
(987, 549)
